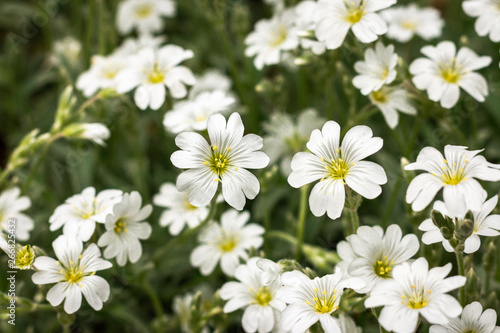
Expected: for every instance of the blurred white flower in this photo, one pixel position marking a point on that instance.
(151, 70)
(445, 71)
(287, 137)
(338, 166)
(337, 17)
(310, 301)
(80, 213)
(484, 225)
(473, 319)
(67, 49)
(11, 208)
(306, 19)
(271, 37)
(226, 242)
(488, 17)
(179, 211)
(456, 173)
(347, 325)
(73, 274)
(131, 46)
(270, 271)
(415, 290)
(404, 22)
(192, 114)
(390, 101)
(144, 15)
(183, 308)
(102, 74)
(211, 80)
(224, 161)
(371, 255)
(96, 132)
(124, 229)
(262, 310)
(377, 69)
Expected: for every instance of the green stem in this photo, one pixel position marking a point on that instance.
(353, 213)
(35, 168)
(301, 221)
(461, 271)
(283, 236)
(154, 299)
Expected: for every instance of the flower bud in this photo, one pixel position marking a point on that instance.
(464, 229)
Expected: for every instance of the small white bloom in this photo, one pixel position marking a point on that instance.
(270, 271)
(67, 49)
(404, 22)
(125, 227)
(484, 225)
(228, 242)
(224, 161)
(310, 301)
(211, 80)
(390, 101)
(306, 19)
(151, 70)
(488, 17)
(456, 173)
(338, 166)
(473, 320)
(145, 15)
(415, 290)
(179, 211)
(262, 310)
(11, 207)
(371, 255)
(445, 71)
(192, 115)
(102, 74)
(73, 274)
(271, 37)
(287, 137)
(95, 132)
(20, 257)
(183, 307)
(131, 46)
(377, 69)
(337, 17)
(80, 213)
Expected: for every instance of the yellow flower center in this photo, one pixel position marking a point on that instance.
(383, 267)
(453, 174)
(156, 75)
(324, 302)
(188, 206)
(24, 256)
(227, 244)
(120, 226)
(355, 13)
(417, 299)
(409, 25)
(144, 10)
(110, 73)
(279, 36)
(379, 96)
(337, 167)
(74, 275)
(219, 161)
(263, 296)
(450, 72)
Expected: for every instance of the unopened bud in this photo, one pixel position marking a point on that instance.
(464, 229)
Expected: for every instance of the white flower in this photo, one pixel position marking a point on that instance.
(67, 49)
(484, 225)
(287, 136)
(270, 271)
(262, 310)
(371, 255)
(404, 22)
(415, 290)
(473, 319)
(80, 213)
(390, 101)
(185, 308)
(192, 115)
(131, 46)
(312, 300)
(20, 257)
(73, 274)
(95, 132)
(445, 71)
(11, 207)
(377, 69)
(271, 37)
(224, 161)
(337, 166)
(227, 242)
(488, 17)
(179, 211)
(145, 15)
(151, 70)
(102, 74)
(125, 227)
(456, 173)
(337, 17)
(306, 19)
(211, 80)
